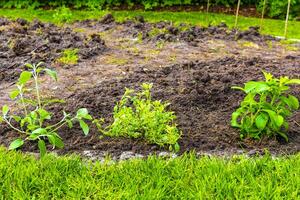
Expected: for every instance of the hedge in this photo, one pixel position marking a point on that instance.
(275, 8)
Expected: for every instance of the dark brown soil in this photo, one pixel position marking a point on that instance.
(166, 32)
(198, 86)
(23, 42)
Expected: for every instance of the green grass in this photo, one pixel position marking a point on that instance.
(271, 26)
(24, 177)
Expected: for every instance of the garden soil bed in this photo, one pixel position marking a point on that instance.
(196, 79)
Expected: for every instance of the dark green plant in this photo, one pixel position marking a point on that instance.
(33, 121)
(266, 107)
(137, 115)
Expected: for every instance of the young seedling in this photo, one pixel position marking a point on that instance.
(33, 121)
(137, 115)
(266, 107)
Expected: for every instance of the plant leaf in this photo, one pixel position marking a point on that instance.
(55, 141)
(25, 77)
(13, 94)
(83, 113)
(16, 144)
(51, 73)
(5, 110)
(283, 135)
(234, 119)
(293, 81)
(261, 121)
(85, 127)
(294, 102)
(42, 148)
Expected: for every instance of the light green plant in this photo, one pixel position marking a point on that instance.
(62, 14)
(137, 115)
(266, 107)
(69, 57)
(33, 121)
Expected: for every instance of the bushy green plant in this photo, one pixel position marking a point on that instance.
(33, 121)
(266, 107)
(137, 115)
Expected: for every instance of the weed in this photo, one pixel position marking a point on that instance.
(138, 116)
(33, 119)
(266, 107)
(69, 57)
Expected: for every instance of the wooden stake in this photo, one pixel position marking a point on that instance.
(263, 14)
(207, 11)
(237, 13)
(287, 19)
(208, 5)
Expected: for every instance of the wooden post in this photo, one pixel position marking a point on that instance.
(287, 19)
(207, 11)
(208, 5)
(263, 14)
(237, 14)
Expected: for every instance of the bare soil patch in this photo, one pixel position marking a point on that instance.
(194, 75)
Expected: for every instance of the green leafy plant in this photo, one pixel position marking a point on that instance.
(69, 57)
(266, 107)
(63, 14)
(33, 121)
(137, 115)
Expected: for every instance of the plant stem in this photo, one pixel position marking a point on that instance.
(62, 125)
(11, 126)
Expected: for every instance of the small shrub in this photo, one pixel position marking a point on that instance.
(266, 107)
(33, 121)
(69, 57)
(138, 116)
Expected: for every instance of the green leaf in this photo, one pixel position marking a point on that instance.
(261, 121)
(176, 147)
(70, 123)
(85, 127)
(40, 131)
(16, 144)
(5, 110)
(51, 73)
(279, 120)
(24, 77)
(268, 76)
(44, 114)
(237, 88)
(42, 148)
(83, 113)
(13, 94)
(276, 119)
(294, 102)
(293, 81)
(283, 135)
(253, 86)
(55, 140)
(234, 118)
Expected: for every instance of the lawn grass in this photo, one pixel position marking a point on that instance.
(185, 177)
(271, 26)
